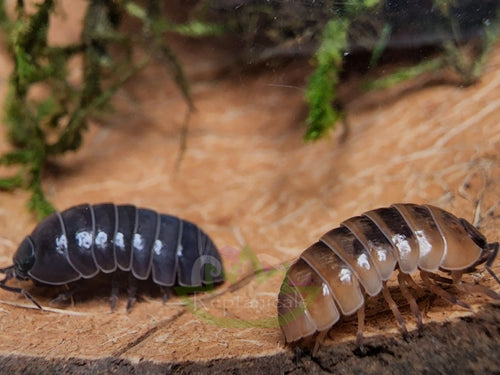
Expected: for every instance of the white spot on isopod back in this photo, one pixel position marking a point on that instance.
(101, 240)
(179, 250)
(379, 250)
(138, 242)
(363, 262)
(120, 240)
(402, 244)
(84, 239)
(157, 247)
(61, 243)
(423, 243)
(345, 276)
(381, 254)
(325, 290)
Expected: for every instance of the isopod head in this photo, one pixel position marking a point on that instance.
(24, 259)
(474, 234)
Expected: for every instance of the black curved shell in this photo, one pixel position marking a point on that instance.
(87, 239)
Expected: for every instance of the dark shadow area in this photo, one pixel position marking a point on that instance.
(465, 346)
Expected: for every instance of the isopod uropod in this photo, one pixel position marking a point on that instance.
(333, 276)
(84, 240)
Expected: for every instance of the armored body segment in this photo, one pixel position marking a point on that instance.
(143, 241)
(127, 221)
(431, 244)
(51, 248)
(293, 316)
(461, 251)
(79, 224)
(212, 269)
(190, 263)
(394, 227)
(348, 247)
(381, 250)
(337, 274)
(315, 294)
(104, 234)
(165, 266)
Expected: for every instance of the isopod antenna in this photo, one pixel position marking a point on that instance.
(10, 274)
(492, 252)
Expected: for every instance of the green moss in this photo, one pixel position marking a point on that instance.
(62, 114)
(321, 93)
(404, 74)
(321, 90)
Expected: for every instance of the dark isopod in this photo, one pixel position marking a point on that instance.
(85, 240)
(334, 276)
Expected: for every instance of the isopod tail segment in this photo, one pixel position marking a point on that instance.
(335, 276)
(83, 241)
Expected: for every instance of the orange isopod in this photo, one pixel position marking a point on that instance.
(332, 277)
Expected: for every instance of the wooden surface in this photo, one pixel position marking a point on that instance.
(248, 179)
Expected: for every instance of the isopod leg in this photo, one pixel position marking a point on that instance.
(319, 340)
(471, 288)
(481, 289)
(132, 291)
(9, 274)
(164, 293)
(493, 248)
(65, 296)
(361, 327)
(403, 279)
(394, 309)
(440, 279)
(28, 296)
(21, 291)
(115, 288)
(441, 292)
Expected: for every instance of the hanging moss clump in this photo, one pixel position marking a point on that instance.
(446, 24)
(40, 129)
(459, 32)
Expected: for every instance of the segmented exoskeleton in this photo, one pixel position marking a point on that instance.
(85, 240)
(334, 276)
